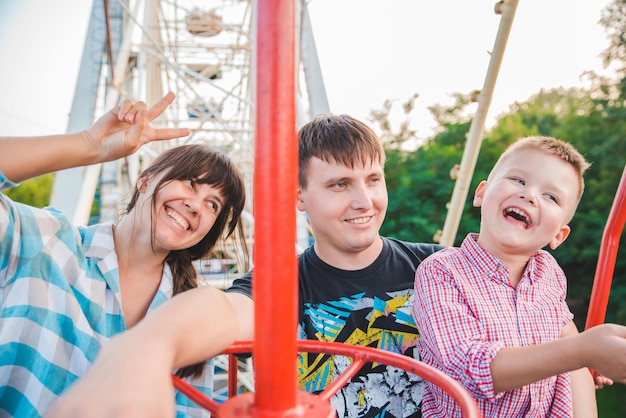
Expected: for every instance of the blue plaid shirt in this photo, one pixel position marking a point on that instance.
(60, 302)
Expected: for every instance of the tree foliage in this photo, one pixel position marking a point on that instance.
(35, 192)
(614, 22)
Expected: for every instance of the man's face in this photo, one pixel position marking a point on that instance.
(346, 208)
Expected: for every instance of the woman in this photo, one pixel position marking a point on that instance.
(66, 290)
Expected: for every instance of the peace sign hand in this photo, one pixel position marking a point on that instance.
(126, 128)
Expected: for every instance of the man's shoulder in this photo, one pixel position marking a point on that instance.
(420, 249)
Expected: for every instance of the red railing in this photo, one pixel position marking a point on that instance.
(607, 256)
(360, 356)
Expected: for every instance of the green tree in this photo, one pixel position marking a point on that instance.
(614, 22)
(35, 192)
(419, 188)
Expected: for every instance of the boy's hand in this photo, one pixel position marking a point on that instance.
(601, 381)
(605, 351)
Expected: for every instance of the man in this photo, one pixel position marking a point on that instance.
(354, 287)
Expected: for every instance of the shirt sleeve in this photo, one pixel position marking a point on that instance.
(5, 183)
(242, 285)
(451, 337)
(562, 282)
(187, 408)
(9, 237)
(562, 400)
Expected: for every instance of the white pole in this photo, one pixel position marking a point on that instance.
(475, 135)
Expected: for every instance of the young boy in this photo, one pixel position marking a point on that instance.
(479, 306)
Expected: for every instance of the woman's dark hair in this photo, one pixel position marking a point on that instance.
(205, 166)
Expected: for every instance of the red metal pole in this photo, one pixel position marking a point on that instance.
(275, 281)
(275, 185)
(606, 257)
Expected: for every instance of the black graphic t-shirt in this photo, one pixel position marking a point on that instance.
(368, 307)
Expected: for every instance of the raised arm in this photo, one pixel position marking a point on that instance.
(134, 369)
(118, 133)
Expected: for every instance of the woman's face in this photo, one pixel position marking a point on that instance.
(184, 212)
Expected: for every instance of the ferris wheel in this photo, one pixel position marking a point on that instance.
(203, 51)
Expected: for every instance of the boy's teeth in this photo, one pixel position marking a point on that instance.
(518, 214)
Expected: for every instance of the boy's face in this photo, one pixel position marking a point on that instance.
(346, 208)
(526, 203)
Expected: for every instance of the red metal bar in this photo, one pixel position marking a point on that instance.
(312, 406)
(195, 395)
(362, 354)
(233, 375)
(343, 378)
(607, 256)
(275, 185)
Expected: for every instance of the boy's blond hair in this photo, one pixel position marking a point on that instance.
(561, 149)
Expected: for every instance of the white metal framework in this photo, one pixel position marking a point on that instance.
(201, 50)
(204, 52)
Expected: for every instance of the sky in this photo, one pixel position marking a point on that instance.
(374, 50)
(369, 51)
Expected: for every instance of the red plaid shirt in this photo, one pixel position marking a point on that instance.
(467, 310)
